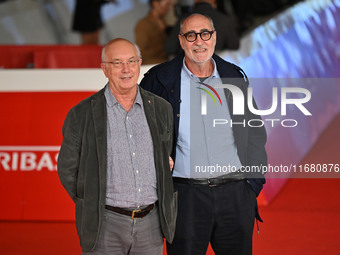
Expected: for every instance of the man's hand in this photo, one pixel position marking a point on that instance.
(171, 163)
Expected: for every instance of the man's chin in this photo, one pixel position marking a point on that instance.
(201, 60)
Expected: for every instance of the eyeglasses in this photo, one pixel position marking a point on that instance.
(192, 36)
(119, 63)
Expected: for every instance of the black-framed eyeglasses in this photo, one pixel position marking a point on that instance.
(192, 36)
(119, 63)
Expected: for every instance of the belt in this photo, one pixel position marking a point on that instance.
(211, 182)
(139, 213)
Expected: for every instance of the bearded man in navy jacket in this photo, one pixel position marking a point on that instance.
(216, 195)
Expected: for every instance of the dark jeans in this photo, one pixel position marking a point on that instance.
(223, 215)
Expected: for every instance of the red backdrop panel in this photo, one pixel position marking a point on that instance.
(30, 138)
(50, 56)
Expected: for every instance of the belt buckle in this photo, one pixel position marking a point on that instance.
(133, 213)
(210, 184)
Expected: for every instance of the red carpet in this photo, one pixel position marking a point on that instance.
(303, 219)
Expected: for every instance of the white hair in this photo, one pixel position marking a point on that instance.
(119, 39)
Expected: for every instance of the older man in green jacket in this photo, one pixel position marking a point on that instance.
(114, 161)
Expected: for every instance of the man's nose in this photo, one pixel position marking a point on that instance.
(125, 66)
(198, 40)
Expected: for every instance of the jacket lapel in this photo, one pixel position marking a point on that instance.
(150, 114)
(99, 114)
(149, 109)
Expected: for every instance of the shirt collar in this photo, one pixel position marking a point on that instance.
(111, 100)
(189, 74)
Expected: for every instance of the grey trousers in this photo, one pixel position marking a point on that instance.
(121, 235)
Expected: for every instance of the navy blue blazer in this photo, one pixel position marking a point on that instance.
(165, 80)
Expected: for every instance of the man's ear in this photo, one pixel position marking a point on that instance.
(103, 66)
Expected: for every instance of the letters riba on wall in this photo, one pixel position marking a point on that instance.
(31, 135)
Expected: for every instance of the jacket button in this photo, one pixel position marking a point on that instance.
(180, 101)
(172, 91)
(178, 115)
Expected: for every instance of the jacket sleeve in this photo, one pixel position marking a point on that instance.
(257, 138)
(68, 159)
(171, 127)
(256, 154)
(142, 37)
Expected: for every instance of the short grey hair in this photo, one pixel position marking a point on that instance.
(118, 39)
(192, 15)
(138, 51)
